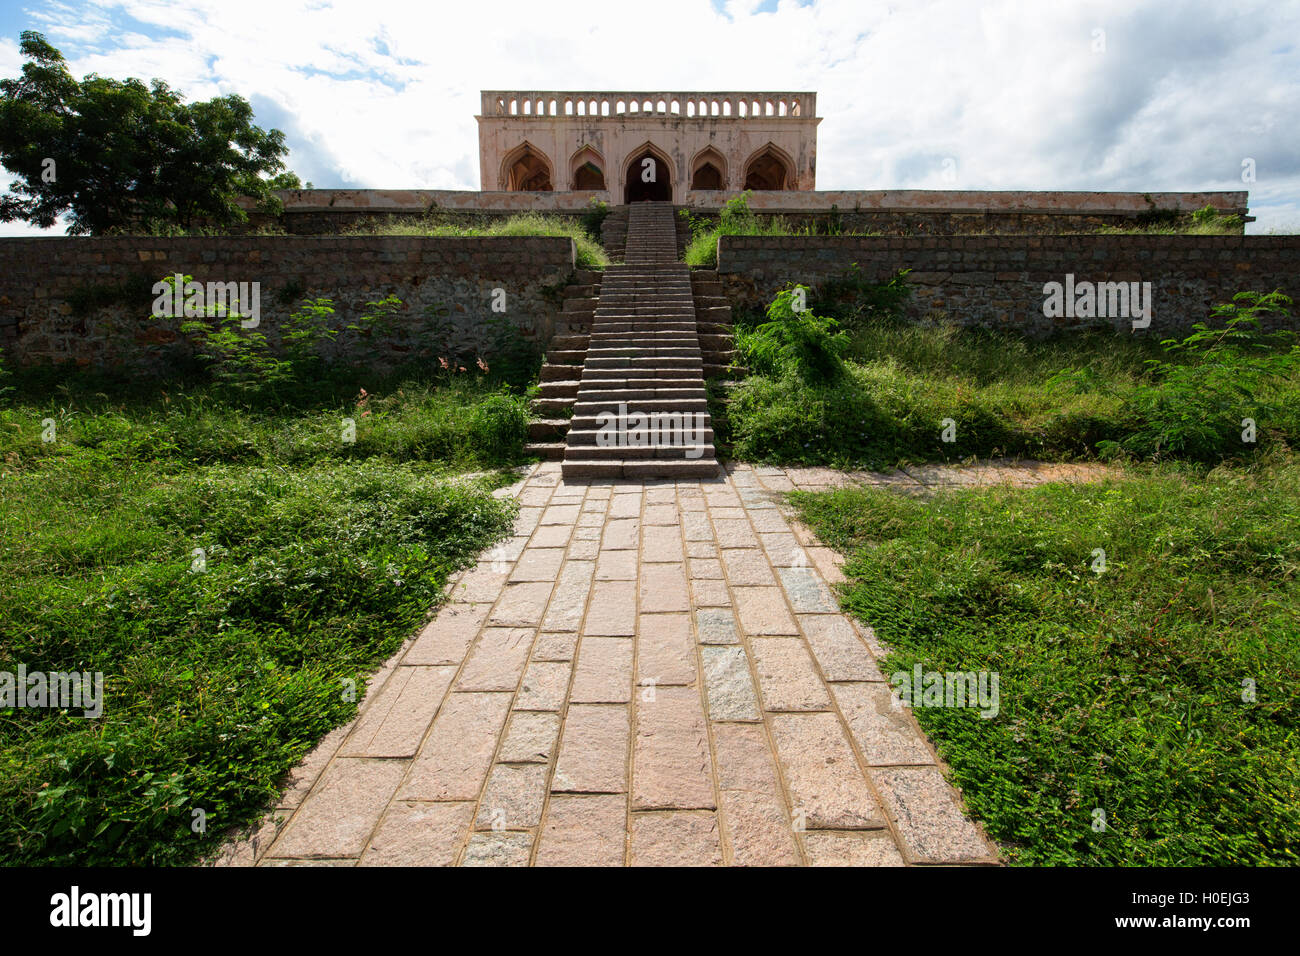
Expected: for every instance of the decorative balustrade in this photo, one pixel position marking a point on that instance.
(750, 105)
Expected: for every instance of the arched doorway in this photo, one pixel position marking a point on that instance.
(767, 170)
(707, 176)
(588, 176)
(527, 170)
(588, 168)
(708, 170)
(652, 182)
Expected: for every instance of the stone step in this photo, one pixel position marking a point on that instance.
(602, 389)
(565, 356)
(551, 406)
(559, 373)
(685, 331)
(540, 429)
(583, 430)
(547, 451)
(558, 388)
(596, 400)
(643, 326)
(599, 400)
(587, 415)
(634, 363)
(598, 352)
(568, 342)
(671, 448)
(637, 470)
(642, 373)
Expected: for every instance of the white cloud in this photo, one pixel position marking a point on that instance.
(383, 92)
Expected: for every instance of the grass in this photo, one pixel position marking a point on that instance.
(1126, 691)
(1224, 226)
(737, 219)
(223, 666)
(902, 381)
(590, 254)
(1054, 399)
(702, 250)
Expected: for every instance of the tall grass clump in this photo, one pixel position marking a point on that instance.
(589, 252)
(735, 219)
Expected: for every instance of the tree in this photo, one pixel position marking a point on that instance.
(121, 156)
(287, 180)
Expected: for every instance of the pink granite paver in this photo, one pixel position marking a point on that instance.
(647, 673)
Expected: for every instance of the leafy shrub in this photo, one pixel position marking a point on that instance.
(594, 217)
(239, 359)
(794, 340)
(242, 360)
(1196, 409)
(500, 426)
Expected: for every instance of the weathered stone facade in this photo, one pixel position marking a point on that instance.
(997, 282)
(563, 141)
(88, 301)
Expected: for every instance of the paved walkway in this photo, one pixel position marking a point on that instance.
(647, 673)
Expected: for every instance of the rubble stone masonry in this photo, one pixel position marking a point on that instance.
(997, 282)
(88, 301)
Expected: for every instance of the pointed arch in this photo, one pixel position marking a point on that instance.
(769, 167)
(527, 169)
(586, 169)
(708, 169)
(635, 189)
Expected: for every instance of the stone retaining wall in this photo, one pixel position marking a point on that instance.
(998, 281)
(936, 212)
(889, 211)
(89, 301)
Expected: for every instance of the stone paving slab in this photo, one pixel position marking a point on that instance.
(648, 673)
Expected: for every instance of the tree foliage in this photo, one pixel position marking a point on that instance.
(118, 156)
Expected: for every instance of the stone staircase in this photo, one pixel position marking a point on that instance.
(713, 324)
(643, 358)
(613, 232)
(562, 368)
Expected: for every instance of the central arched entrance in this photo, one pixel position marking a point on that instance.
(648, 183)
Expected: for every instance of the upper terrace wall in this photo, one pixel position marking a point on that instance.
(997, 281)
(44, 281)
(889, 211)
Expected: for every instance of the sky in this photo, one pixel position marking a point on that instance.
(1134, 95)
